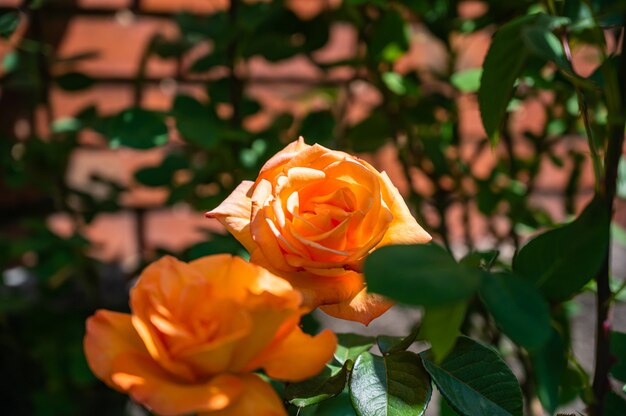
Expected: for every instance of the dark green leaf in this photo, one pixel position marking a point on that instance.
(318, 126)
(505, 61)
(561, 261)
(573, 383)
(340, 405)
(549, 363)
(167, 48)
(440, 327)
(208, 62)
(518, 308)
(476, 381)
(389, 344)
(8, 23)
(350, 346)
(134, 127)
(543, 43)
(614, 405)
(618, 348)
(480, 259)
(503, 64)
(389, 37)
(161, 175)
(393, 385)
(197, 123)
(445, 409)
(371, 133)
(328, 384)
(74, 81)
(423, 274)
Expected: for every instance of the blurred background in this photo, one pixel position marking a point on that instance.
(122, 121)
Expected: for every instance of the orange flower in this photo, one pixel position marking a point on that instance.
(196, 333)
(312, 216)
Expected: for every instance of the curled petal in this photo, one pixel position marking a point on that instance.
(108, 335)
(257, 398)
(284, 155)
(403, 229)
(234, 214)
(299, 356)
(363, 308)
(158, 390)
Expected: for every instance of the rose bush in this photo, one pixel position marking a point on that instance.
(312, 216)
(196, 333)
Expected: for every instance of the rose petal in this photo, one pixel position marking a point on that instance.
(257, 398)
(404, 229)
(262, 232)
(269, 317)
(317, 290)
(150, 385)
(108, 335)
(363, 307)
(236, 278)
(284, 155)
(234, 213)
(299, 356)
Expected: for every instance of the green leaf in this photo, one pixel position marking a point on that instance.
(445, 409)
(389, 39)
(549, 363)
(393, 385)
(197, 123)
(318, 127)
(350, 346)
(505, 61)
(325, 385)
(475, 380)
(389, 344)
(518, 308)
(75, 81)
(467, 80)
(543, 43)
(614, 405)
(394, 82)
(423, 274)
(134, 127)
(503, 64)
(561, 261)
(340, 405)
(618, 348)
(371, 133)
(440, 327)
(155, 176)
(8, 23)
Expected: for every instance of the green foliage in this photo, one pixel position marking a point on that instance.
(134, 127)
(512, 47)
(350, 346)
(618, 347)
(220, 129)
(429, 275)
(518, 308)
(8, 23)
(561, 261)
(440, 327)
(393, 385)
(475, 380)
(329, 383)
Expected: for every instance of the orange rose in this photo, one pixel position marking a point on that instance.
(312, 216)
(196, 333)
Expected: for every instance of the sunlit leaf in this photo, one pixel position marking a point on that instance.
(393, 385)
(476, 381)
